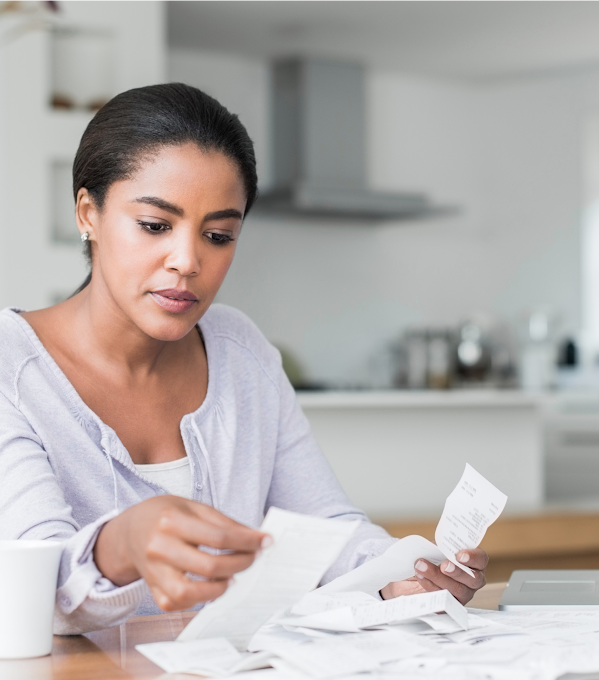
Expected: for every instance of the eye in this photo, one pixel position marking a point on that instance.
(153, 227)
(219, 239)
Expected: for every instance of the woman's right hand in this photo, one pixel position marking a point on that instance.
(158, 540)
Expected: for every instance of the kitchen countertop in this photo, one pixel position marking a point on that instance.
(419, 399)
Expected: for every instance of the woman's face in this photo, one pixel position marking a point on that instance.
(165, 238)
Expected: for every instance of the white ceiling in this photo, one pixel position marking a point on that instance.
(443, 39)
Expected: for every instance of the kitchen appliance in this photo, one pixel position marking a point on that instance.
(473, 352)
(319, 147)
(551, 589)
(538, 354)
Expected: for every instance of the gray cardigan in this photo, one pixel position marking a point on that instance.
(64, 473)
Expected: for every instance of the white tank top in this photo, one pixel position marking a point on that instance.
(174, 476)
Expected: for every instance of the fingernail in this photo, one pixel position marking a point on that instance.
(419, 576)
(463, 557)
(421, 566)
(231, 582)
(449, 568)
(266, 542)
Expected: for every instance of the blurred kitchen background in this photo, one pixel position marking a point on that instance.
(425, 251)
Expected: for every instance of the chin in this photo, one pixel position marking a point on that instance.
(167, 327)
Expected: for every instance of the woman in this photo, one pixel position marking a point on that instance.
(140, 422)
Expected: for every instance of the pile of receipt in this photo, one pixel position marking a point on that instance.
(416, 642)
(274, 623)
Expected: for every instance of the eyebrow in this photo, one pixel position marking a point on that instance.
(224, 214)
(161, 204)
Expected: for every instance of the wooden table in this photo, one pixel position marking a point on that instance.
(110, 654)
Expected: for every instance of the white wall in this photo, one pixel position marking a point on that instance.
(508, 152)
(34, 271)
(530, 165)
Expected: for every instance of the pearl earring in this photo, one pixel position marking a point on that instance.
(85, 237)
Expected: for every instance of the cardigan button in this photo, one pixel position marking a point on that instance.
(65, 601)
(199, 486)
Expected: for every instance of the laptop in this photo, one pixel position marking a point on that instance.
(543, 589)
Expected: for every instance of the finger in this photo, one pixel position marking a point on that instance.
(173, 591)
(211, 591)
(475, 559)
(427, 585)
(461, 593)
(245, 538)
(446, 582)
(478, 580)
(225, 522)
(432, 573)
(448, 568)
(192, 529)
(186, 558)
(408, 587)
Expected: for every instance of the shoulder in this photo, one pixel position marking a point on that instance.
(18, 348)
(16, 335)
(228, 321)
(230, 324)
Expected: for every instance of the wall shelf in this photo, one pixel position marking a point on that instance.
(40, 249)
(82, 62)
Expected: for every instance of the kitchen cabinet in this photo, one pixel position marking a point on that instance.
(400, 453)
(571, 423)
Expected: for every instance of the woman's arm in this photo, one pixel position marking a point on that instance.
(303, 481)
(138, 542)
(32, 506)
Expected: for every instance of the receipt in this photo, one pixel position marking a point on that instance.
(388, 612)
(318, 601)
(469, 510)
(211, 657)
(410, 607)
(325, 659)
(545, 626)
(343, 656)
(304, 548)
(395, 564)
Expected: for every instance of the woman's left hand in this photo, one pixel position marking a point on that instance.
(446, 576)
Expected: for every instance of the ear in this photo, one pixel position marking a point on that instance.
(86, 214)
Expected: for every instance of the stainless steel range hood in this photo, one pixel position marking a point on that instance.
(319, 145)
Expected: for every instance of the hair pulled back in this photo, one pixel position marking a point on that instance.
(140, 121)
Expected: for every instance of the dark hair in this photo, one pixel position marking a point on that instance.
(139, 121)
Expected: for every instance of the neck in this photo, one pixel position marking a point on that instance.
(114, 341)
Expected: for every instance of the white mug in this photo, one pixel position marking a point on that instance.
(28, 577)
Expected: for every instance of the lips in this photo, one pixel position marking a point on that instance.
(173, 300)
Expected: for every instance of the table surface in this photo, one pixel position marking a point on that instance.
(111, 655)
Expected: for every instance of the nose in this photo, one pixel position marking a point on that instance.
(183, 257)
